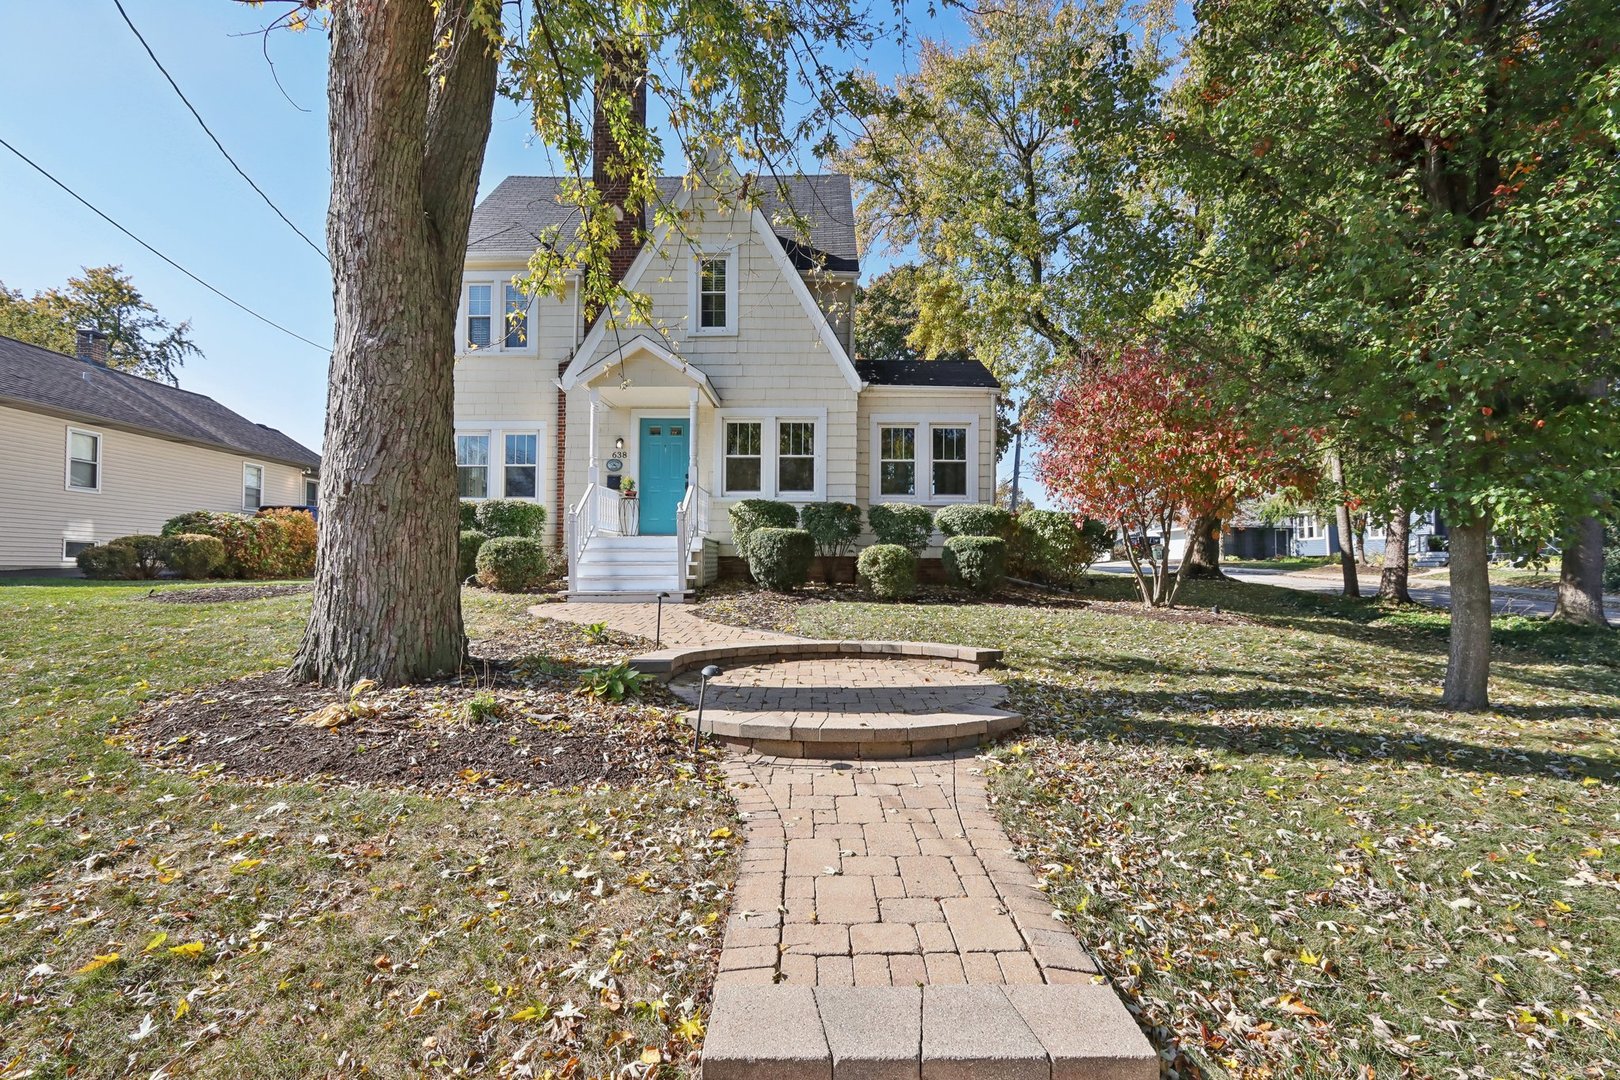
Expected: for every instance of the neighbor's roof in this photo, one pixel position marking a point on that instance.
(42, 380)
(512, 218)
(965, 373)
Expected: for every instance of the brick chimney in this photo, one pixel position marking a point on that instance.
(91, 345)
(624, 71)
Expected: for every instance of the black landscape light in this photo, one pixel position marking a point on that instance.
(710, 672)
(658, 627)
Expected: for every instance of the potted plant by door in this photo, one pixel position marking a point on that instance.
(629, 508)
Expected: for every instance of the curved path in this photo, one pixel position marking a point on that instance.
(882, 926)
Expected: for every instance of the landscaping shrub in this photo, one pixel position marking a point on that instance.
(889, 570)
(976, 562)
(469, 515)
(149, 551)
(779, 559)
(192, 521)
(114, 561)
(510, 517)
(472, 541)
(289, 543)
(750, 514)
(833, 527)
(904, 524)
(271, 544)
(1049, 546)
(194, 555)
(974, 519)
(511, 563)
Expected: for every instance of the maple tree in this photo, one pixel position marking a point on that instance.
(1146, 439)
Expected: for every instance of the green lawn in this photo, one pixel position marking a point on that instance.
(165, 925)
(1287, 857)
(1282, 562)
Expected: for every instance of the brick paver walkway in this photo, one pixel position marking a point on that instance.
(681, 626)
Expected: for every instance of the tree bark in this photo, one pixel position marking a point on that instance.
(1469, 666)
(1347, 555)
(1202, 557)
(1392, 582)
(1580, 576)
(408, 125)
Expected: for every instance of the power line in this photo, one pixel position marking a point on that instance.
(94, 210)
(221, 146)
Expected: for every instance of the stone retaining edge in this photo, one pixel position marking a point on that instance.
(666, 664)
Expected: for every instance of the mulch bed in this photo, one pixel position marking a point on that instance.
(223, 594)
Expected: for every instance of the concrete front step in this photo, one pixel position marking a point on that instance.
(795, 1032)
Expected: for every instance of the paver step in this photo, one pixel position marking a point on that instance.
(859, 735)
(790, 1032)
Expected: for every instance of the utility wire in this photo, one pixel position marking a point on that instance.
(221, 146)
(92, 208)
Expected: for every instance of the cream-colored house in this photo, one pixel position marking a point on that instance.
(88, 454)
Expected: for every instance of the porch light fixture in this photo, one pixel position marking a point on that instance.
(710, 672)
(618, 444)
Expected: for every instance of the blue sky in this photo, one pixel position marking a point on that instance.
(89, 106)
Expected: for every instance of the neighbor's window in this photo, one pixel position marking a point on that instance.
(950, 460)
(478, 312)
(252, 487)
(712, 286)
(84, 460)
(743, 455)
(71, 548)
(521, 456)
(472, 466)
(897, 461)
(312, 491)
(796, 456)
(517, 317)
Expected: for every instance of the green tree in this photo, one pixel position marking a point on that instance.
(139, 340)
(1417, 209)
(887, 313)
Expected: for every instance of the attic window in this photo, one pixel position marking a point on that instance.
(714, 294)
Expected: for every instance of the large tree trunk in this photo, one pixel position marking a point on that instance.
(1397, 560)
(1347, 555)
(408, 128)
(1468, 671)
(1580, 576)
(1202, 557)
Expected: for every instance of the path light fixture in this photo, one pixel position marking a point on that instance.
(710, 672)
(658, 626)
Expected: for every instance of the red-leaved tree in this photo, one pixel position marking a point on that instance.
(1144, 440)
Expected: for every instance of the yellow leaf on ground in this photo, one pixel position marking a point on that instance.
(720, 834)
(190, 948)
(181, 1008)
(651, 1056)
(100, 961)
(157, 939)
(245, 866)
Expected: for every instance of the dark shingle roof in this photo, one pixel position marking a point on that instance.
(512, 218)
(52, 382)
(967, 373)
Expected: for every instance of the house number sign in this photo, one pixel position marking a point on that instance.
(614, 464)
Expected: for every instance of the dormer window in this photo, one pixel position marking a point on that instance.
(714, 294)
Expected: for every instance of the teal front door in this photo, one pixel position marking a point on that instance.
(664, 458)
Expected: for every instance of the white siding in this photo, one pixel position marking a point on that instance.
(145, 480)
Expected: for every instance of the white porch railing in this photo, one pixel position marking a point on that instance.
(691, 526)
(578, 530)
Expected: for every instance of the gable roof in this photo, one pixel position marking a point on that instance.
(965, 373)
(510, 219)
(42, 380)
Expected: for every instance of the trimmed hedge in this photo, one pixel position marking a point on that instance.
(469, 514)
(974, 519)
(271, 544)
(467, 548)
(113, 561)
(904, 524)
(779, 559)
(510, 517)
(149, 552)
(1050, 546)
(189, 522)
(511, 563)
(889, 570)
(194, 555)
(833, 526)
(750, 514)
(976, 562)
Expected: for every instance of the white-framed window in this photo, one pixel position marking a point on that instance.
(71, 549)
(472, 464)
(1306, 526)
(252, 486)
(479, 315)
(714, 293)
(773, 456)
(925, 459)
(521, 476)
(499, 459)
(312, 490)
(83, 460)
(495, 316)
(517, 317)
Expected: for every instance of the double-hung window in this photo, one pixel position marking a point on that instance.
(84, 460)
(522, 465)
(950, 462)
(795, 457)
(897, 460)
(744, 458)
(772, 456)
(925, 460)
(714, 294)
(517, 317)
(472, 466)
(478, 315)
(252, 487)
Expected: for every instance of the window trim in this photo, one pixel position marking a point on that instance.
(725, 457)
(67, 455)
(264, 475)
(74, 558)
(695, 276)
(925, 425)
(506, 464)
(769, 452)
(498, 284)
(497, 431)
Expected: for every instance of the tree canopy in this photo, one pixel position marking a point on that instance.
(139, 340)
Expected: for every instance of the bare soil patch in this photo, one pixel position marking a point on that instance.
(224, 594)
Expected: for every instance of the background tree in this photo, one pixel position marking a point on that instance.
(139, 340)
(1417, 211)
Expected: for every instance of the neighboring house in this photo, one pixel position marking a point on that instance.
(92, 454)
(1316, 534)
(741, 386)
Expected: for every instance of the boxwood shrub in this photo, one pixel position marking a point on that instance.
(194, 555)
(511, 563)
(974, 519)
(779, 559)
(750, 514)
(114, 561)
(469, 514)
(472, 540)
(149, 551)
(976, 562)
(889, 570)
(833, 526)
(904, 524)
(510, 517)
